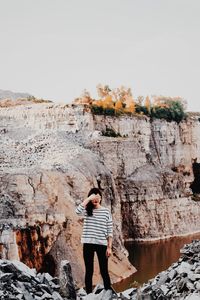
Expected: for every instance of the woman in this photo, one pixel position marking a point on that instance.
(96, 237)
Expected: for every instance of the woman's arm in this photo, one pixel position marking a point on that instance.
(87, 200)
(80, 208)
(110, 235)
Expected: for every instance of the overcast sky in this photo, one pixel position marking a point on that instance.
(54, 49)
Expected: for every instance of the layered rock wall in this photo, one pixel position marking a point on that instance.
(44, 171)
(51, 155)
(152, 166)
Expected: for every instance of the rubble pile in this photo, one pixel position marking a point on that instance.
(180, 281)
(19, 282)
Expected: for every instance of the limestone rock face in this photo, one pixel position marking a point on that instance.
(152, 167)
(45, 171)
(51, 155)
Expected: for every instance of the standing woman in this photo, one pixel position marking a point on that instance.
(96, 237)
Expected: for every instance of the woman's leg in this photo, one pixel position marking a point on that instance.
(88, 255)
(103, 265)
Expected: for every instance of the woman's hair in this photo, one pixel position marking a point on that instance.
(90, 206)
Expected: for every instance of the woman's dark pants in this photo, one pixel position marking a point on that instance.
(88, 255)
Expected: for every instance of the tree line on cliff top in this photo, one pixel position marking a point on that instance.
(120, 101)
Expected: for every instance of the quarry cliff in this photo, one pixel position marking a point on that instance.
(51, 155)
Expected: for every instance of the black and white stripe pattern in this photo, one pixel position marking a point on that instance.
(98, 227)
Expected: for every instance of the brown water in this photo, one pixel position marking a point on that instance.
(150, 258)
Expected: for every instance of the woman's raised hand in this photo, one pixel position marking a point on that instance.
(92, 197)
(95, 197)
(87, 200)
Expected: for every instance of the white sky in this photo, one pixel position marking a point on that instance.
(54, 49)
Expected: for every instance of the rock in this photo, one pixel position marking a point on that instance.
(24, 269)
(56, 296)
(54, 286)
(197, 270)
(27, 296)
(126, 294)
(184, 267)
(197, 286)
(46, 288)
(99, 293)
(6, 277)
(181, 285)
(81, 292)
(192, 277)
(190, 286)
(48, 277)
(107, 295)
(46, 296)
(67, 287)
(19, 297)
(93, 296)
(22, 285)
(193, 296)
(55, 280)
(172, 274)
(164, 289)
(98, 288)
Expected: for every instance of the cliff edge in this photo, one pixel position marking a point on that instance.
(50, 156)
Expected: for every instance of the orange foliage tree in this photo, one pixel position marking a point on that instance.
(118, 105)
(147, 104)
(108, 102)
(131, 108)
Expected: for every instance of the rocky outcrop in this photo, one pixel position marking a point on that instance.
(158, 203)
(6, 94)
(45, 171)
(152, 167)
(17, 281)
(51, 155)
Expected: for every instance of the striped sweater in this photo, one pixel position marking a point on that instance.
(98, 227)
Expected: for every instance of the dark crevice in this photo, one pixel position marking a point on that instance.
(195, 185)
(48, 265)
